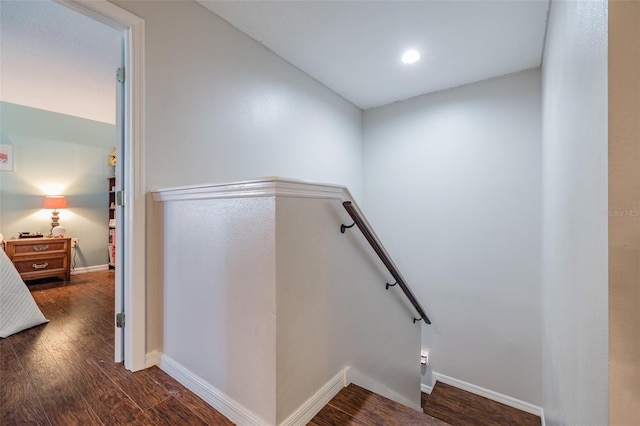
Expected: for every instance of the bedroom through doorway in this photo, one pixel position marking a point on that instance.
(62, 115)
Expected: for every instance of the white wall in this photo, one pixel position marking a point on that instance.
(220, 296)
(334, 311)
(266, 301)
(453, 188)
(575, 275)
(220, 107)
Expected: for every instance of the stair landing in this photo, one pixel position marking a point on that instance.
(459, 407)
(446, 405)
(354, 405)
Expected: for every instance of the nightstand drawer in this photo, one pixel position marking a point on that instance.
(40, 247)
(40, 257)
(42, 264)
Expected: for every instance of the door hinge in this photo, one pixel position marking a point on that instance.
(120, 320)
(119, 198)
(120, 75)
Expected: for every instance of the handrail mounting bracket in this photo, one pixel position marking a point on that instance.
(344, 227)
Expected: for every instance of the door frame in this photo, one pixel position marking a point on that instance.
(133, 175)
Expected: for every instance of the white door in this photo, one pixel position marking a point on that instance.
(130, 236)
(120, 80)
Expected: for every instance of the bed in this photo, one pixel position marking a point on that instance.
(18, 310)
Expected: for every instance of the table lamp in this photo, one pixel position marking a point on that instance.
(55, 202)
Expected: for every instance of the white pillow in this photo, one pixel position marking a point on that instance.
(18, 310)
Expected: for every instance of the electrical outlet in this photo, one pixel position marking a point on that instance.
(424, 358)
(75, 242)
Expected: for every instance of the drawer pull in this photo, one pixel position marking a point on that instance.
(40, 266)
(40, 248)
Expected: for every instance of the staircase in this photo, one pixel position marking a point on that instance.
(447, 405)
(354, 405)
(459, 407)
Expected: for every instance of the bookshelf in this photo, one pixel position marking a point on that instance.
(112, 223)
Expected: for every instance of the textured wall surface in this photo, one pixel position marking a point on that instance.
(267, 301)
(220, 107)
(220, 296)
(334, 311)
(575, 271)
(453, 189)
(223, 108)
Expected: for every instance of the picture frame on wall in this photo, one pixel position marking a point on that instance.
(6, 158)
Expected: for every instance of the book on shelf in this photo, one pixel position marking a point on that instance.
(112, 254)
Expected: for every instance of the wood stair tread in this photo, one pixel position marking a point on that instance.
(367, 408)
(331, 416)
(446, 405)
(456, 414)
(460, 407)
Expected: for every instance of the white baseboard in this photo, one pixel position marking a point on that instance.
(489, 394)
(87, 269)
(152, 358)
(318, 400)
(426, 389)
(239, 414)
(233, 410)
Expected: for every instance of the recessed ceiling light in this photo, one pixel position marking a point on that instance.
(410, 56)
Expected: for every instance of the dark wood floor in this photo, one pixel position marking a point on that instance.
(459, 407)
(62, 373)
(446, 405)
(354, 405)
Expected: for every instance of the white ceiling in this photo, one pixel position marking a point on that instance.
(354, 47)
(55, 59)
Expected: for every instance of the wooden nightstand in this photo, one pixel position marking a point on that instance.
(40, 257)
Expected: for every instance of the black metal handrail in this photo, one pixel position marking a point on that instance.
(377, 247)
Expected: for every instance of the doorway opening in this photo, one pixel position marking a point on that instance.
(130, 344)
